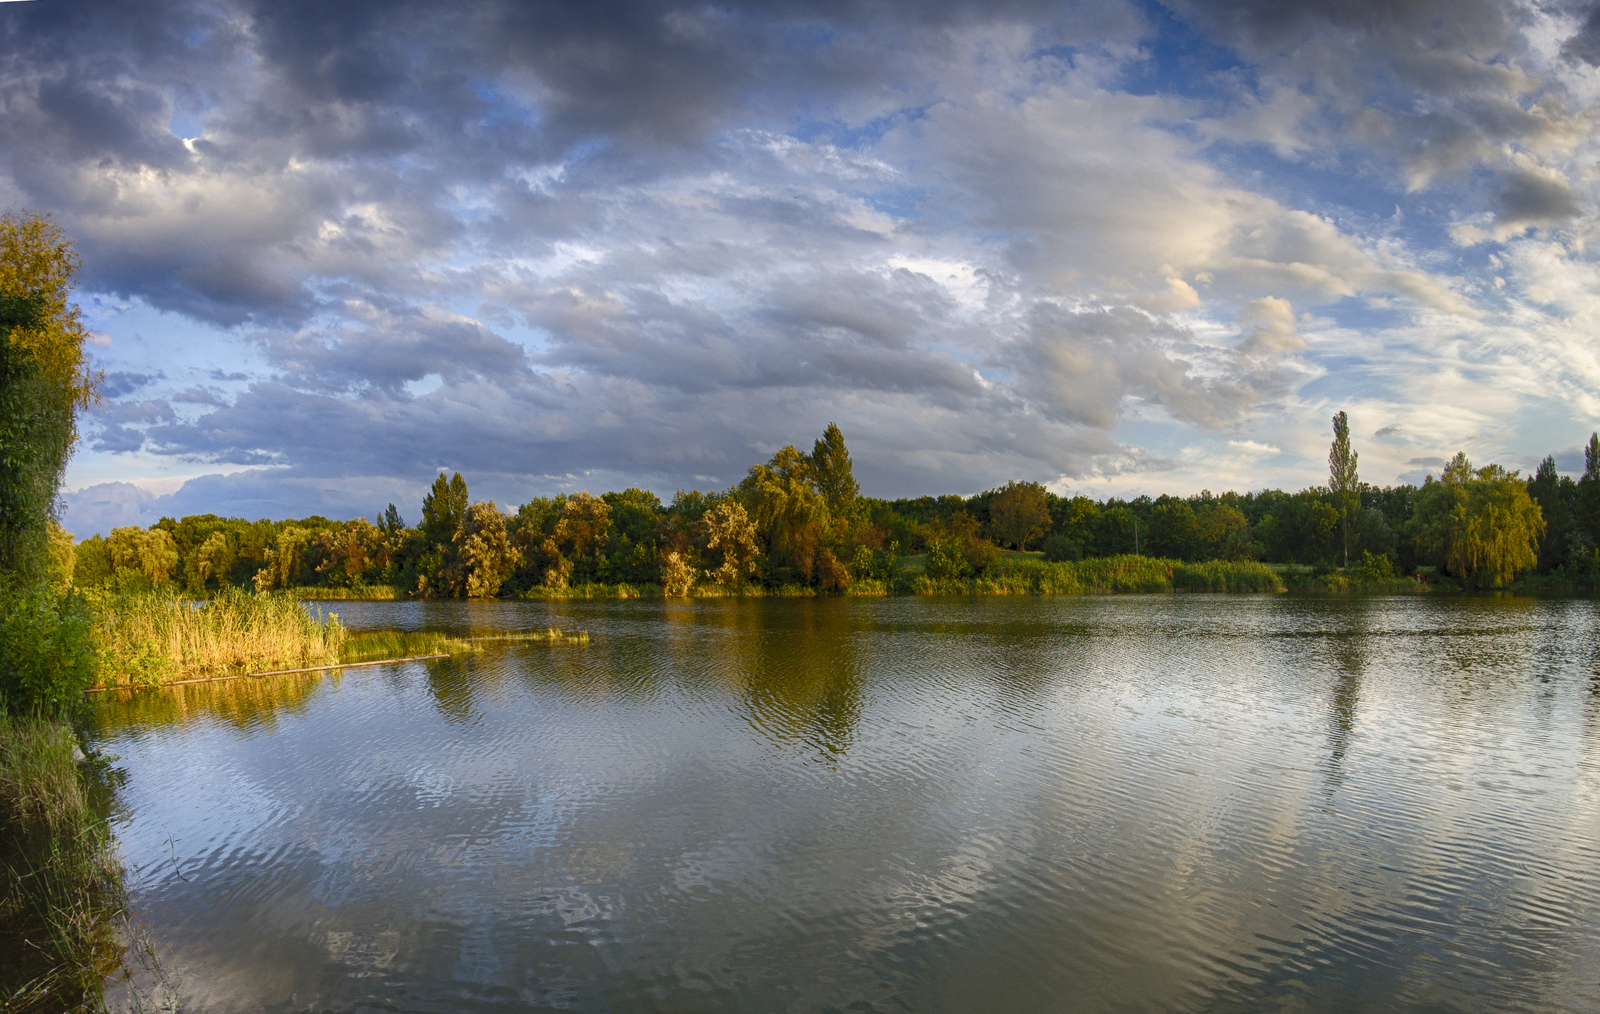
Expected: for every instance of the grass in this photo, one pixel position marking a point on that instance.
(63, 896)
(381, 644)
(149, 639)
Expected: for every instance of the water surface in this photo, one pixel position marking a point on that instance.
(1193, 803)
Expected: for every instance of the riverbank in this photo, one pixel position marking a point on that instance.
(63, 893)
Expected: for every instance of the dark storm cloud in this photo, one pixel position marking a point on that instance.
(1535, 199)
(1585, 44)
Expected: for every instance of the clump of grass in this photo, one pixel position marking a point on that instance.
(550, 635)
(1225, 576)
(380, 644)
(376, 645)
(149, 639)
(63, 892)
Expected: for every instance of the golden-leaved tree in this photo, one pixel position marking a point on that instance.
(728, 528)
(483, 550)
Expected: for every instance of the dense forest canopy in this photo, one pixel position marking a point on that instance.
(800, 519)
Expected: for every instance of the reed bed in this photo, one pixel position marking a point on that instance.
(147, 639)
(63, 893)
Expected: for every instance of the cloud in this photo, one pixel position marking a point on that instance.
(554, 244)
(1272, 325)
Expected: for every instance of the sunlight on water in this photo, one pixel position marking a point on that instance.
(1153, 803)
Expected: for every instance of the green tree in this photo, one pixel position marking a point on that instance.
(1019, 513)
(832, 472)
(1174, 531)
(1342, 480)
(443, 508)
(1557, 497)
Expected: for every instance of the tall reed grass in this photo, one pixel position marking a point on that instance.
(63, 895)
(148, 639)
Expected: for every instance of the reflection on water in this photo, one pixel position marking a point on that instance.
(1189, 803)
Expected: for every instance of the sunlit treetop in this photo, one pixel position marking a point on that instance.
(37, 259)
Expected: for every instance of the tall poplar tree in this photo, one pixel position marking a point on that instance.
(832, 472)
(1342, 481)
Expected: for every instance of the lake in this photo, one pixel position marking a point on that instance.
(1141, 803)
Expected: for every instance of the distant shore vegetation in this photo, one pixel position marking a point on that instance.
(798, 524)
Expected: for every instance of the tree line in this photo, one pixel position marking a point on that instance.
(801, 519)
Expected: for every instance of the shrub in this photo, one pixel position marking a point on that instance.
(47, 655)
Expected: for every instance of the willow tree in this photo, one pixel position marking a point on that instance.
(783, 501)
(1479, 524)
(1342, 481)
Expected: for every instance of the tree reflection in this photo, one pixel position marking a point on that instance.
(801, 683)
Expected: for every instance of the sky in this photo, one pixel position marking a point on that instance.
(1116, 248)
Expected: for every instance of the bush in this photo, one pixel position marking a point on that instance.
(1373, 569)
(47, 656)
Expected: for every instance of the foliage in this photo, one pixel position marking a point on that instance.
(833, 474)
(1342, 481)
(135, 554)
(728, 529)
(1019, 513)
(47, 655)
(1373, 569)
(1479, 525)
(39, 262)
(677, 577)
(36, 435)
(483, 551)
(1563, 540)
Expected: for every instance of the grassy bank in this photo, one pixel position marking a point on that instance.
(147, 639)
(1105, 576)
(63, 895)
